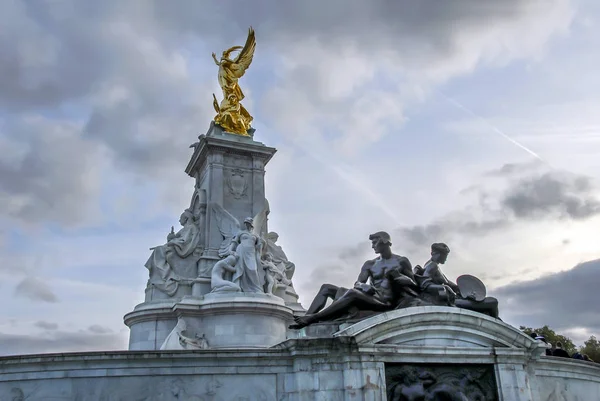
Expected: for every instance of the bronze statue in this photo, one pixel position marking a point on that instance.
(327, 291)
(433, 284)
(390, 279)
(434, 280)
(231, 115)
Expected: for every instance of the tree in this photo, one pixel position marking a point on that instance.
(552, 337)
(591, 348)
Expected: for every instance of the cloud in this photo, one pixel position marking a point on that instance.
(46, 325)
(553, 194)
(420, 31)
(36, 290)
(87, 90)
(47, 173)
(562, 300)
(512, 169)
(97, 329)
(532, 195)
(545, 196)
(61, 341)
(115, 81)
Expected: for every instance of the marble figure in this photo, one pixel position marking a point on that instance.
(179, 338)
(278, 255)
(182, 244)
(274, 274)
(224, 268)
(245, 244)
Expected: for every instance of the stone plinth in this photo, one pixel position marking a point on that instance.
(229, 174)
(237, 320)
(229, 171)
(226, 320)
(149, 324)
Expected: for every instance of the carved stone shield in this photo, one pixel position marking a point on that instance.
(237, 183)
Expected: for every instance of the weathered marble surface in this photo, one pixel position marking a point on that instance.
(347, 366)
(562, 379)
(225, 320)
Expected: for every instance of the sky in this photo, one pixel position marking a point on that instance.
(465, 122)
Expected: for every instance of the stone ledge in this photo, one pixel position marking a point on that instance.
(436, 325)
(227, 143)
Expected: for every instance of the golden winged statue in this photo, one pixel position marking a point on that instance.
(231, 115)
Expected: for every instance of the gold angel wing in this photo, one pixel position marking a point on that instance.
(244, 59)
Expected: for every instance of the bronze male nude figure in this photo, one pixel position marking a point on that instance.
(381, 284)
(435, 278)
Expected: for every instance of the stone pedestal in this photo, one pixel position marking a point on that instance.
(149, 324)
(229, 171)
(236, 320)
(225, 320)
(229, 174)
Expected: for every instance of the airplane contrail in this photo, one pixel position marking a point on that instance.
(493, 127)
(351, 177)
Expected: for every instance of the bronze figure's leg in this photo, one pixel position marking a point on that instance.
(326, 292)
(338, 308)
(489, 306)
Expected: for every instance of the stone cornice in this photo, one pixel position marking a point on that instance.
(227, 143)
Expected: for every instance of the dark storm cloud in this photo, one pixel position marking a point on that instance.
(563, 300)
(35, 290)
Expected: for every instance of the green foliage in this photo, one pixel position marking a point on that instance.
(591, 348)
(552, 337)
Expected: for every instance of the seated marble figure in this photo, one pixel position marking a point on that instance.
(433, 283)
(384, 283)
(274, 274)
(173, 262)
(278, 256)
